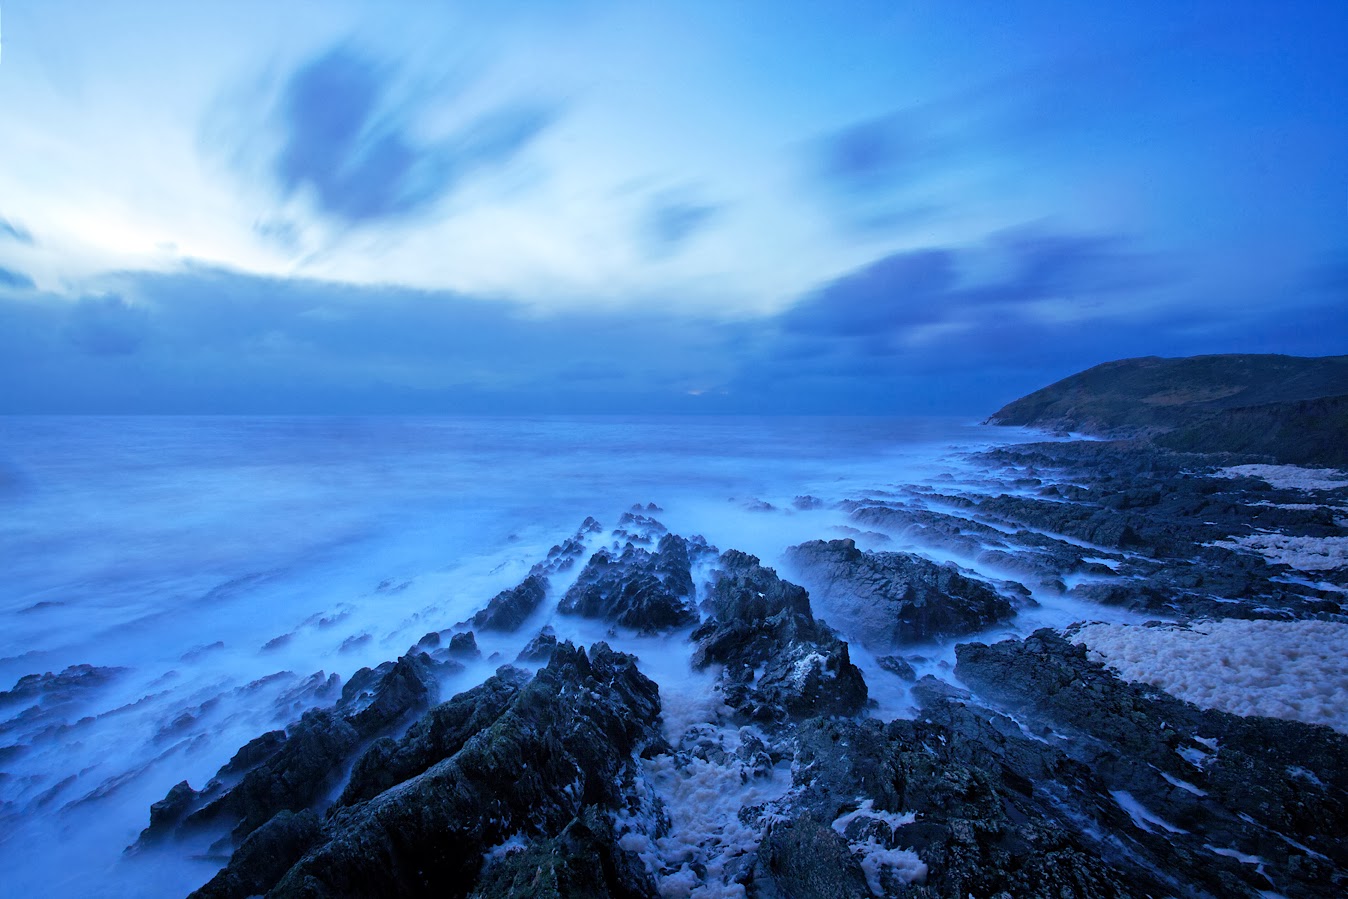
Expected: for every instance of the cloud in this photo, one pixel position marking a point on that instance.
(15, 280)
(870, 174)
(894, 292)
(15, 232)
(672, 220)
(917, 293)
(358, 149)
(106, 326)
(873, 155)
(215, 341)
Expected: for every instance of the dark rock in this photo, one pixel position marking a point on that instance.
(888, 598)
(761, 621)
(464, 646)
(1159, 751)
(262, 859)
(436, 736)
(648, 592)
(540, 648)
(804, 859)
(295, 772)
(585, 859)
(897, 665)
(566, 744)
(511, 608)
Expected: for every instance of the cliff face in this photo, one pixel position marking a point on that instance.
(1289, 408)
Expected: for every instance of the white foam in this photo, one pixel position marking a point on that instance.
(1289, 477)
(1280, 669)
(1142, 817)
(876, 858)
(1300, 553)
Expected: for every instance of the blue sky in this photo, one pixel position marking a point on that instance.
(593, 206)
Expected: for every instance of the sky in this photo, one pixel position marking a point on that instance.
(619, 206)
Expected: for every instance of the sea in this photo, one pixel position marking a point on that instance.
(218, 564)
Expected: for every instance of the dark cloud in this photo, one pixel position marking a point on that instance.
(15, 280)
(15, 232)
(918, 331)
(899, 290)
(867, 173)
(671, 221)
(347, 140)
(106, 326)
(911, 333)
(874, 155)
(898, 294)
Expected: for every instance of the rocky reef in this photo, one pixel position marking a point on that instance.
(1027, 769)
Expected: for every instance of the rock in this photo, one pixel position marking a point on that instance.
(897, 665)
(295, 771)
(263, 857)
(889, 598)
(761, 621)
(1216, 780)
(540, 648)
(438, 735)
(585, 859)
(557, 759)
(804, 859)
(464, 646)
(511, 608)
(648, 592)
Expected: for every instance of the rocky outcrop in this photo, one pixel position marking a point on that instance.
(649, 592)
(525, 803)
(295, 769)
(759, 622)
(891, 598)
(509, 609)
(1215, 802)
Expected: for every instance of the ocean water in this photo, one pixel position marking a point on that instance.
(219, 563)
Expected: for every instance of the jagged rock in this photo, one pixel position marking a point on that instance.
(759, 620)
(169, 811)
(436, 736)
(511, 608)
(540, 648)
(923, 811)
(887, 598)
(263, 857)
(464, 646)
(804, 859)
(253, 753)
(275, 773)
(648, 592)
(565, 744)
(585, 859)
(56, 689)
(1215, 779)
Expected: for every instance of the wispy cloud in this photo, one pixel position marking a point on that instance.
(673, 219)
(360, 151)
(15, 280)
(14, 231)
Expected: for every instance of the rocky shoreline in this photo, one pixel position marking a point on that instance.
(1029, 769)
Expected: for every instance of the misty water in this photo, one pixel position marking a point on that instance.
(220, 563)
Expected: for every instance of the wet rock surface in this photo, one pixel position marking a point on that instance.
(649, 592)
(1028, 771)
(546, 762)
(895, 598)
